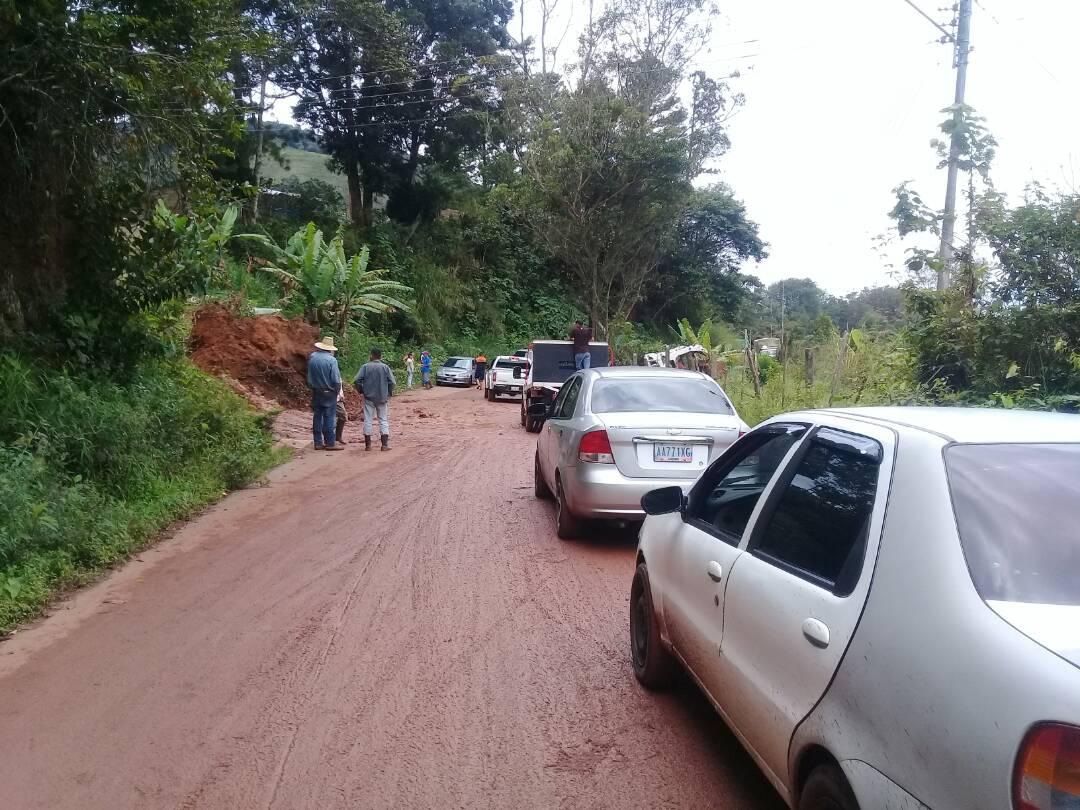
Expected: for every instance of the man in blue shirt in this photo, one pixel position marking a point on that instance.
(324, 380)
(425, 368)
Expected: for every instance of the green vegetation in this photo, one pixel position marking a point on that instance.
(516, 199)
(91, 469)
(298, 164)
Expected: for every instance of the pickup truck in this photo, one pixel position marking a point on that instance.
(550, 362)
(506, 377)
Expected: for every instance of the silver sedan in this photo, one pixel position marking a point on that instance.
(613, 434)
(882, 603)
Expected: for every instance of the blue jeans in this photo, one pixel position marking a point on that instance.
(582, 360)
(324, 417)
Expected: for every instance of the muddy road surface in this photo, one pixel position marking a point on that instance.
(374, 630)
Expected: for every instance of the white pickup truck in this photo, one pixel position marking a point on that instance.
(506, 377)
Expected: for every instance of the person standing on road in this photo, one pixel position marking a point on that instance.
(375, 383)
(342, 416)
(425, 368)
(324, 380)
(480, 366)
(410, 369)
(581, 335)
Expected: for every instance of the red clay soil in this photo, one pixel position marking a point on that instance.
(264, 357)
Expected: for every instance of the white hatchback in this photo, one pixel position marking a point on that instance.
(882, 603)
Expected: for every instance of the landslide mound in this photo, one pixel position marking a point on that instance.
(265, 356)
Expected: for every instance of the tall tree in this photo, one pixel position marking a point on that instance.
(611, 167)
(102, 105)
(385, 83)
(700, 277)
(607, 187)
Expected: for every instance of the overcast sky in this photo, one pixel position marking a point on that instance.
(842, 99)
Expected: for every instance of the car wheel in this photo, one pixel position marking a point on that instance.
(531, 425)
(827, 789)
(523, 413)
(567, 527)
(653, 664)
(540, 487)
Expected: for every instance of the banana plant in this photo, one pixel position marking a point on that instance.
(331, 288)
(358, 289)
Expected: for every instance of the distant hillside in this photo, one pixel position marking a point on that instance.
(305, 166)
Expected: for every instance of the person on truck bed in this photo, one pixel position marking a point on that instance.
(581, 335)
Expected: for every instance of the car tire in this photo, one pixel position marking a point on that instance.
(567, 527)
(531, 425)
(827, 789)
(654, 666)
(540, 487)
(523, 414)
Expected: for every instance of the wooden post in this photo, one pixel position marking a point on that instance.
(808, 366)
(841, 354)
(751, 362)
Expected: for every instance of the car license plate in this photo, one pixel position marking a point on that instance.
(673, 453)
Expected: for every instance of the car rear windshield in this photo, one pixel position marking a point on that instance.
(554, 362)
(1017, 508)
(678, 394)
(456, 362)
(509, 363)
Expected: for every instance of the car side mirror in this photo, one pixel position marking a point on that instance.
(539, 410)
(663, 501)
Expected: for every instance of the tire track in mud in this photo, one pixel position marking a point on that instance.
(371, 630)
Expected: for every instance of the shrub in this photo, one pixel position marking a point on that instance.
(91, 468)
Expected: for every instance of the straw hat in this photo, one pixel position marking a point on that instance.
(326, 344)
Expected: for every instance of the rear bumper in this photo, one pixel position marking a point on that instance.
(505, 390)
(463, 381)
(601, 491)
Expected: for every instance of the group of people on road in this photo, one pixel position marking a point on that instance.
(374, 382)
(425, 369)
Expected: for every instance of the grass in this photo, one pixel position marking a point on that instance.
(91, 469)
(305, 166)
(876, 372)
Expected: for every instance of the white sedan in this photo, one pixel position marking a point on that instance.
(614, 433)
(882, 603)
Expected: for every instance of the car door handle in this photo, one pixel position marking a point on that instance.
(714, 570)
(816, 632)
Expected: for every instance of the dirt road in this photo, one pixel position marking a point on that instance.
(368, 630)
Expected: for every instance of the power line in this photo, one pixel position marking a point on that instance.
(948, 34)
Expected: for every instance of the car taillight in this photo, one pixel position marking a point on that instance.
(595, 448)
(1048, 769)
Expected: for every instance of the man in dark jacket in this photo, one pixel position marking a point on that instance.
(324, 380)
(581, 335)
(375, 383)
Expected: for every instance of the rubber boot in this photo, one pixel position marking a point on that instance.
(385, 442)
(367, 442)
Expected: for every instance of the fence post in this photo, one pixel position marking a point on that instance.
(841, 354)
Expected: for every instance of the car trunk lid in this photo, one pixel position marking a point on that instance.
(667, 445)
(1056, 627)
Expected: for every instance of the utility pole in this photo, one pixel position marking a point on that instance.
(962, 44)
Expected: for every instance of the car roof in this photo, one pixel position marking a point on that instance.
(971, 425)
(564, 343)
(624, 372)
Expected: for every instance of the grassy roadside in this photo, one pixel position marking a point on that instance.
(92, 470)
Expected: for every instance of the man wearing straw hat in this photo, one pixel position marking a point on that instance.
(324, 380)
